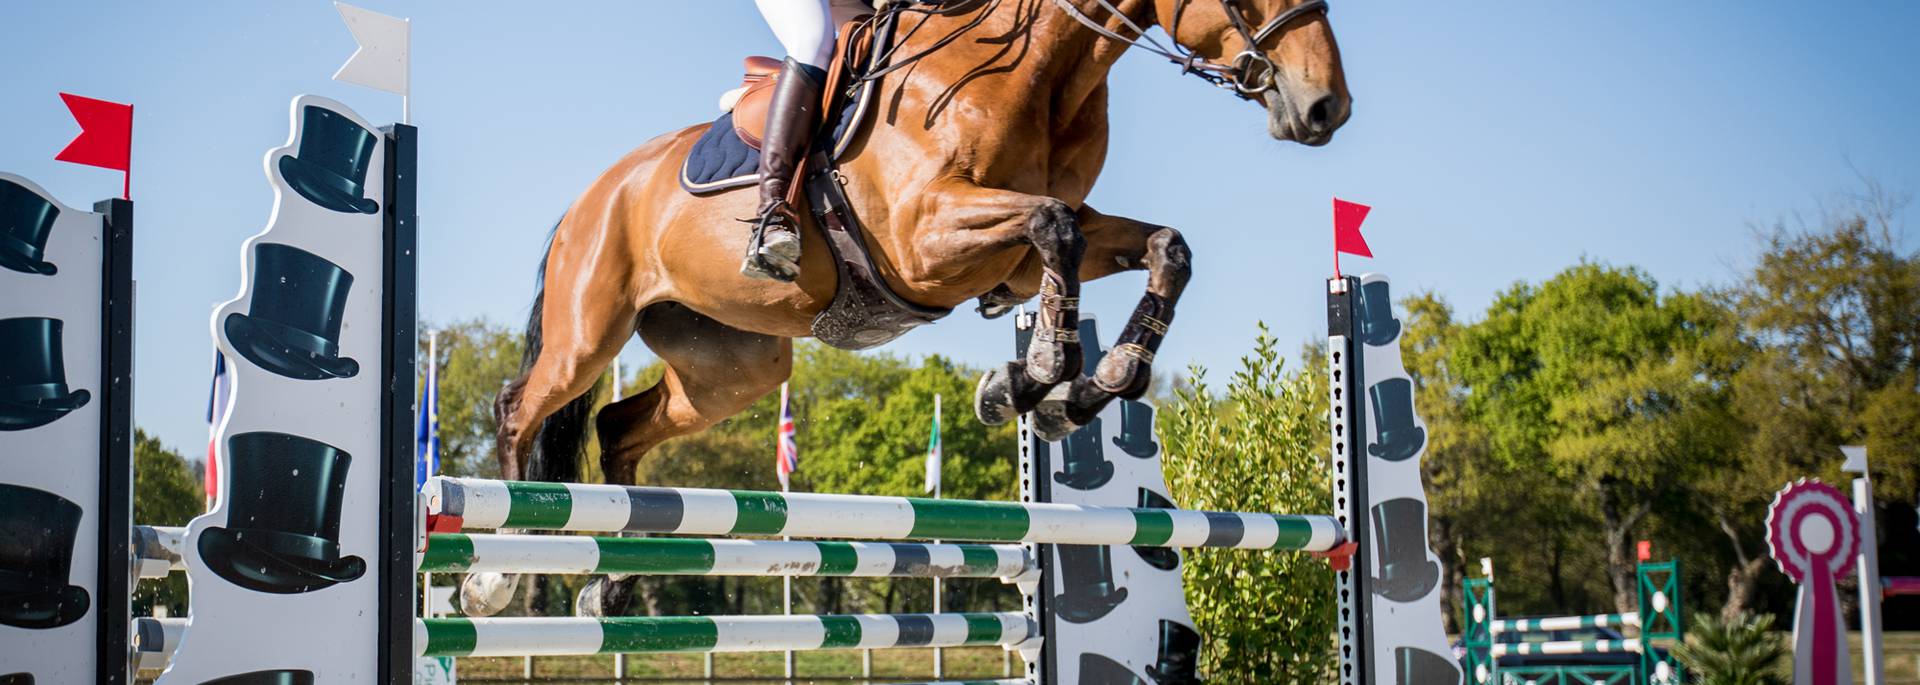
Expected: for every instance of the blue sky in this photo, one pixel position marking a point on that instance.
(1497, 142)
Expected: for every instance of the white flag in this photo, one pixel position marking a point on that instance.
(381, 62)
(933, 451)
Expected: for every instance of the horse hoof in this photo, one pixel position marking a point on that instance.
(1051, 420)
(602, 596)
(486, 594)
(993, 397)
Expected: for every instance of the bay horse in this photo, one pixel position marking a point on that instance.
(971, 182)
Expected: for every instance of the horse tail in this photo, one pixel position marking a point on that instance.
(560, 445)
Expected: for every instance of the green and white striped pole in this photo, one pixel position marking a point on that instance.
(560, 554)
(1535, 625)
(1501, 649)
(465, 637)
(476, 504)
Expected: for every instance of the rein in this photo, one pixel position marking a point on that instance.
(1248, 74)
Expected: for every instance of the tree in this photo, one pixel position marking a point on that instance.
(1596, 378)
(1832, 315)
(165, 493)
(1268, 617)
(475, 359)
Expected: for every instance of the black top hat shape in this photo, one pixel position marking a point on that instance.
(1136, 430)
(285, 676)
(1421, 667)
(1084, 467)
(33, 374)
(331, 168)
(1179, 660)
(1163, 558)
(37, 531)
(1086, 574)
(1096, 669)
(283, 523)
(16, 679)
(1400, 538)
(25, 221)
(1377, 325)
(1398, 437)
(292, 325)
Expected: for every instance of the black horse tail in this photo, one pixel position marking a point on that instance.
(560, 445)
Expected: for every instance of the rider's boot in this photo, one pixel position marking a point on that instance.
(774, 250)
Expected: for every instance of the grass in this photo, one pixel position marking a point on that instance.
(891, 665)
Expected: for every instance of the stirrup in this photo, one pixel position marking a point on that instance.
(785, 263)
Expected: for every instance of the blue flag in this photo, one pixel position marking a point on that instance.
(426, 435)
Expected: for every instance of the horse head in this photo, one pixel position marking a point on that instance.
(1280, 53)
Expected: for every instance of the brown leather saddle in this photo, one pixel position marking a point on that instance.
(865, 311)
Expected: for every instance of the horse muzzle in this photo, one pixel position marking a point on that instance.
(1303, 116)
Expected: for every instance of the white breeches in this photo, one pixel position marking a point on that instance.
(804, 27)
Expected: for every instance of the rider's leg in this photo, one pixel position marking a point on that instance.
(805, 28)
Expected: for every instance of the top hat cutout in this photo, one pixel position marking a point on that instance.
(1400, 539)
(284, 676)
(16, 679)
(1095, 668)
(331, 168)
(1179, 660)
(25, 221)
(33, 374)
(292, 324)
(1086, 581)
(1377, 325)
(1136, 430)
(283, 523)
(1421, 667)
(1085, 467)
(37, 532)
(1398, 437)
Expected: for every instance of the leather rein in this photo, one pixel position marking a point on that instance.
(1248, 74)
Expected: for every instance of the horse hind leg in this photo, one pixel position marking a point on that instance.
(713, 372)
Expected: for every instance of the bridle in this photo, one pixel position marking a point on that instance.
(1248, 74)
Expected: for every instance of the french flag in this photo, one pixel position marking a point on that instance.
(216, 407)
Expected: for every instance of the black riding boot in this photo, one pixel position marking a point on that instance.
(774, 250)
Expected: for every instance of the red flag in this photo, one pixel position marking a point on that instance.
(106, 135)
(1347, 217)
(1643, 549)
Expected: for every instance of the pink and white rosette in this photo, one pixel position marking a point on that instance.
(1814, 535)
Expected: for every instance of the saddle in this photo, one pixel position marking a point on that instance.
(865, 311)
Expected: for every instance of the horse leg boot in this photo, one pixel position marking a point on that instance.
(773, 252)
(1054, 354)
(1127, 369)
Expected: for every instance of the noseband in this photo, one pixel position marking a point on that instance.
(1248, 74)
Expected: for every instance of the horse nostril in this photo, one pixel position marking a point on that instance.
(1320, 116)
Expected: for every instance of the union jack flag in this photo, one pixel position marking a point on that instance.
(787, 458)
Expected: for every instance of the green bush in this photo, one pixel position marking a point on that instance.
(1741, 651)
(1268, 617)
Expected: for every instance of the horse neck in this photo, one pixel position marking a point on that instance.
(1069, 59)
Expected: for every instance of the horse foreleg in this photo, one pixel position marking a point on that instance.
(974, 226)
(1121, 244)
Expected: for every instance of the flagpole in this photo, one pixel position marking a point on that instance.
(406, 98)
(786, 581)
(433, 345)
(939, 584)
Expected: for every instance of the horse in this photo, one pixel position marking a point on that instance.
(970, 183)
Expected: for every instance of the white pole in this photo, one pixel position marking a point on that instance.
(786, 603)
(1868, 562)
(619, 660)
(939, 586)
(406, 99)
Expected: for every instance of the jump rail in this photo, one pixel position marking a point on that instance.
(457, 553)
(1567, 647)
(657, 634)
(469, 503)
(1535, 625)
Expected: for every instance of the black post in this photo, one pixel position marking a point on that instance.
(397, 506)
(114, 599)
